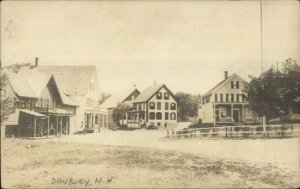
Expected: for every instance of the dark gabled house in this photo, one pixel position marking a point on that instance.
(155, 106)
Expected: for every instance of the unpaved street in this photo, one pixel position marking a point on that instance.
(283, 153)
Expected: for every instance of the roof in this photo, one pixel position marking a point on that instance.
(36, 114)
(26, 85)
(13, 119)
(115, 99)
(32, 85)
(221, 83)
(148, 93)
(73, 80)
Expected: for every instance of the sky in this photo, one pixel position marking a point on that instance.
(186, 45)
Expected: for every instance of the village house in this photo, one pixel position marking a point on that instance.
(42, 110)
(112, 102)
(226, 103)
(155, 106)
(79, 83)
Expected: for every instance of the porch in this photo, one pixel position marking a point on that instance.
(32, 124)
(232, 113)
(94, 121)
(134, 119)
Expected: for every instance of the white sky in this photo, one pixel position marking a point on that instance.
(185, 44)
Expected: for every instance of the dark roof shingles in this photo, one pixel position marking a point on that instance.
(147, 93)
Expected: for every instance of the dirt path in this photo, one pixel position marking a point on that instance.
(283, 153)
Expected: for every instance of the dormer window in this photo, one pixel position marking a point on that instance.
(158, 95)
(235, 84)
(166, 96)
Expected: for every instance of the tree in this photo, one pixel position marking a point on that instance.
(275, 92)
(7, 103)
(103, 98)
(15, 68)
(187, 105)
(120, 111)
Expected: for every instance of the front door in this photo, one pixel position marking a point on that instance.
(217, 115)
(236, 115)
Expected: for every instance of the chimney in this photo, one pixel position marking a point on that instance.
(154, 83)
(226, 74)
(36, 61)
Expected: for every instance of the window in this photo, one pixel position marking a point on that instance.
(173, 116)
(243, 97)
(166, 96)
(158, 115)
(29, 104)
(152, 105)
(216, 97)
(238, 97)
(158, 95)
(152, 115)
(166, 105)
(159, 105)
(173, 106)
(46, 103)
(38, 103)
(227, 97)
(235, 84)
(232, 97)
(3, 90)
(96, 119)
(222, 112)
(166, 115)
(51, 104)
(140, 106)
(221, 97)
(23, 104)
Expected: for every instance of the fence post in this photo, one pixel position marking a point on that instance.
(226, 132)
(248, 131)
(282, 131)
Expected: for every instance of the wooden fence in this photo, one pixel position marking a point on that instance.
(272, 131)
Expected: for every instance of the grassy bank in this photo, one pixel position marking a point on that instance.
(42, 163)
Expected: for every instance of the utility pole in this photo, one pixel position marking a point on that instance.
(264, 120)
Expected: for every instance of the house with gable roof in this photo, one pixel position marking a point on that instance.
(226, 103)
(112, 102)
(79, 83)
(42, 110)
(155, 106)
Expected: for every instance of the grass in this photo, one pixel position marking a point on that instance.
(132, 166)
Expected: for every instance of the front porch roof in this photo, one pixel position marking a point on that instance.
(136, 111)
(36, 114)
(230, 103)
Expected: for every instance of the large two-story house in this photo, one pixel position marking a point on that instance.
(226, 102)
(41, 108)
(155, 106)
(79, 83)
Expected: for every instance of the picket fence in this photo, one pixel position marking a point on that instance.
(279, 131)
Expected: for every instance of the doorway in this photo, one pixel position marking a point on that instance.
(236, 115)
